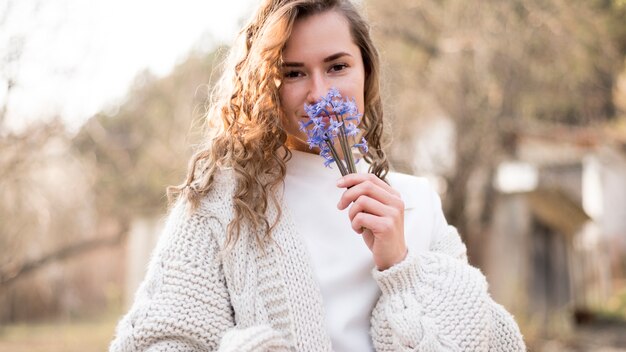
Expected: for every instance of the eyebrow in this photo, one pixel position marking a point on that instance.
(327, 59)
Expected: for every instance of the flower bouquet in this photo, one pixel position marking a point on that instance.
(334, 120)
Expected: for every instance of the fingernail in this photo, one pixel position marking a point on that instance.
(340, 182)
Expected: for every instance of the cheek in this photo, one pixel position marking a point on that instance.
(357, 92)
(287, 108)
(287, 101)
(283, 98)
(362, 95)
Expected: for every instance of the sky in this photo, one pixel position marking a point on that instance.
(79, 57)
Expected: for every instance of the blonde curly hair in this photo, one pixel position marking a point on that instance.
(246, 121)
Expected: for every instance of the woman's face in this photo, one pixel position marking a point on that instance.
(319, 54)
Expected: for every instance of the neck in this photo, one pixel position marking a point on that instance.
(295, 143)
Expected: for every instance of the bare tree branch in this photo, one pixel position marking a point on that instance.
(10, 275)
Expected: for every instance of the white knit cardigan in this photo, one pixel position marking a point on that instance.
(196, 297)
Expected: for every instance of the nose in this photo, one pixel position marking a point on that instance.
(318, 87)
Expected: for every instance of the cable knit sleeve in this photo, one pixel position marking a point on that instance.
(183, 304)
(436, 301)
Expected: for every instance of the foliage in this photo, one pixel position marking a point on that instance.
(142, 148)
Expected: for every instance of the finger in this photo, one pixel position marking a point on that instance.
(368, 205)
(376, 224)
(353, 179)
(370, 189)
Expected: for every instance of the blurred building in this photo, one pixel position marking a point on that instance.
(559, 227)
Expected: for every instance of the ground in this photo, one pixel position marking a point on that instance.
(94, 335)
(91, 335)
(592, 337)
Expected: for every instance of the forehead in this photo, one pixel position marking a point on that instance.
(318, 36)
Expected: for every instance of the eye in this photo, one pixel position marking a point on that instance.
(338, 67)
(293, 74)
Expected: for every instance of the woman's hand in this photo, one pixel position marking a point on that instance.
(377, 212)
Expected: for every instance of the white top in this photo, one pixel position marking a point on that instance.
(340, 258)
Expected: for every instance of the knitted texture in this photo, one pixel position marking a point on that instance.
(435, 301)
(196, 297)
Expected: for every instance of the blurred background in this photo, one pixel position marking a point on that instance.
(516, 110)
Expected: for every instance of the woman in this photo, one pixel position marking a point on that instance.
(261, 251)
